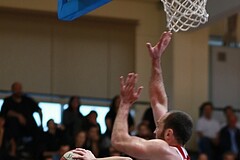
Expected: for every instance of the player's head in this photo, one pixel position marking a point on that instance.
(175, 125)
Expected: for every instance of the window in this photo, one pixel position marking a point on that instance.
(101, 111)
(50, 111)
(54, 111)
(1, 102)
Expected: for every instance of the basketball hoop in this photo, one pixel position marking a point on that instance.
(185, 14)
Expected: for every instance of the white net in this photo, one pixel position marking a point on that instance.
(185, 14)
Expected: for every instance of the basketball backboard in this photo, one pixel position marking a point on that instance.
(69, 10)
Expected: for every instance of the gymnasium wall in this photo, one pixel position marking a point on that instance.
(83, 58)
(185, 63)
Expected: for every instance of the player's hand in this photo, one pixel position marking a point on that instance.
(83, 154)
(157, 51)
(129, 94)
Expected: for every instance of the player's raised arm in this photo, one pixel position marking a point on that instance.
(121, 140)
(158, 96)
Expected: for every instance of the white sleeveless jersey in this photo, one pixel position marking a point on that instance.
(182, 152)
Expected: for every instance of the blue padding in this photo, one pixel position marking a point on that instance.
(69, 10)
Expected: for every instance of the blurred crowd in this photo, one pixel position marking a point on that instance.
(218, 141)
(22, 139)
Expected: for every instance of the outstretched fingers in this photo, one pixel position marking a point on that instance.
(139, 90)
(149, 47)
(165, 39)
(129, 93)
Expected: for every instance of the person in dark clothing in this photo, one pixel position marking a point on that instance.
(109, 120)
(92, 120)
(53, 138)
(7, 144)
(111, 115)
(148, 119)
(229, 137)
(18, 110)
(73, 120)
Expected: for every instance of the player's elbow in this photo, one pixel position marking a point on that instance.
(117, 141)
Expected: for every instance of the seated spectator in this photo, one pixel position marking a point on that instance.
(94, 142)
(229, 136)
(63, 149)
(80, 140)
(229, 156)
(53, 138)
(207, 130)
(148, 118)
(202, 156)
(144, 131)
(228, 112)
(92, 120)
(73, 120)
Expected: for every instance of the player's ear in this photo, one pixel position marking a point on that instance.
(168, 135)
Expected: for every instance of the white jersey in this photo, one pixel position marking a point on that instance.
(182, 152)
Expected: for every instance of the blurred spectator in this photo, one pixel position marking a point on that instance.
(109, 120)
(207, 130)
(53, 138)
(202, 156)
(144, 131)
(73, 121)
(92, 120)
(228, 112)
(18, 110)
(148, 119)
(229, 136)
(63, 149)
(80, 140)
(7, 144)
(111, 115)
(94, 142)
(229, 156)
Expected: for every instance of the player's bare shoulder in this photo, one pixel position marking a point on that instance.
(160, 150)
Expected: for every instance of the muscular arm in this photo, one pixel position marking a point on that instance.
(133, 146)
(121, 140)
(158, 96)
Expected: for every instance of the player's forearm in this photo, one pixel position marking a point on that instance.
(159, 101)
(120, 128)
